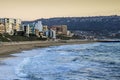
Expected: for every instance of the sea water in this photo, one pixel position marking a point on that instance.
(93, 61)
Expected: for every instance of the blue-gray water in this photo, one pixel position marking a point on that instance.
(94, 61)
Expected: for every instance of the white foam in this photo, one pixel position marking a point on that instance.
(43, 62)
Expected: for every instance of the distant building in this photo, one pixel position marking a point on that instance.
(31, 28)
(64, 29)
(2, 28)
(17, 24)
(60, 29)
(26, 30)
(35, 28)
(39, 26)
(11, 25)
(50, 34)
(37, 33)
(53, 34)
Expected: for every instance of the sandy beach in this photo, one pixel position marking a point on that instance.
(7, 48)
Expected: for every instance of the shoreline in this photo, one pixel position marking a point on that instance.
(7, 48)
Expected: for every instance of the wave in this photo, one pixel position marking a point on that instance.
(94, 61)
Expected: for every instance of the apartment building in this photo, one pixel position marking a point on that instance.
(2, 28)
(60, 29)
(11, 25)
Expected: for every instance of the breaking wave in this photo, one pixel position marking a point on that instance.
(95, 61)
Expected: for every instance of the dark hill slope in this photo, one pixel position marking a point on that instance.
(97, 23)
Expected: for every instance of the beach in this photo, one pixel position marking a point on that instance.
(77, 61)
(7, 48)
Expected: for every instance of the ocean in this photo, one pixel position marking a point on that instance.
(93, 61)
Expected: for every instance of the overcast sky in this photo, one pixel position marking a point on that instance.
(34, 9)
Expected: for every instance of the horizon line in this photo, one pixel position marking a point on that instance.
(60, 17)
(70, 17)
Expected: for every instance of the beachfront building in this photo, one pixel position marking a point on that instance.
(39, 30)
(34, 28)
(37, 33)
(2, 28)
(64, 29)
(39, 26)
(60, 29)
(11, 25)
(51, 34)
(31, 27)
(27, 30)
(17, 24)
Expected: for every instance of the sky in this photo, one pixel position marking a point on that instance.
(35, 9)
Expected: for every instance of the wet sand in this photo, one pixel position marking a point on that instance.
(7, 48)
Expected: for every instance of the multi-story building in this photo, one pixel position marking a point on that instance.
(31, 28)
(17, 24)
(34, 28)
(39, 26)
(60, 29)
(27, 30)
(64, 29)
(50, 34)
(11, 24)
(2, 28)
(37, 33)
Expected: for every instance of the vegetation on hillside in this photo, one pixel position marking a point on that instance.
(97, 23)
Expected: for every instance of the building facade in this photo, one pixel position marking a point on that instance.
(64, 29)
(11, 24)
(60, 29)
(17, 24)
(50, 34)
(2, 28)
(39, 26)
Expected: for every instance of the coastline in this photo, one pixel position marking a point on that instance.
(7, 48)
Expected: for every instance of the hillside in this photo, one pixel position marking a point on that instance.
(96, 23)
